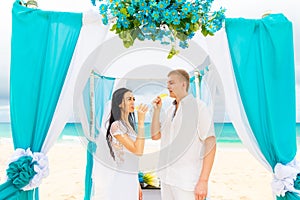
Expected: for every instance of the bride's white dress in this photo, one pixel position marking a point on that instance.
(124, 184)
(116, 179)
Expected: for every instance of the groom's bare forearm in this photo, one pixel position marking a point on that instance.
(155, 126)
(209, 157)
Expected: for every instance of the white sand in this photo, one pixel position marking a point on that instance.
(236, 174)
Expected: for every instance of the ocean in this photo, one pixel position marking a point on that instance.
(225, 132)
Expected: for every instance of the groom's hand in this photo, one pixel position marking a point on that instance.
(157, 103)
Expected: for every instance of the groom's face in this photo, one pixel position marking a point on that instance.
(175, 85)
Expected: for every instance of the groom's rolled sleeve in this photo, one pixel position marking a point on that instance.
(205, 127)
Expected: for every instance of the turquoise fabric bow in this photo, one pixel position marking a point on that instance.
(21, 171)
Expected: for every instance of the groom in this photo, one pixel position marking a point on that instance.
(188, 143)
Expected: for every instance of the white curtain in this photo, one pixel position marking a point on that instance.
(218, 50)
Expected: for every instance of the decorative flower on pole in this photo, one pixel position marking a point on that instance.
(172, 22)
(148, 179)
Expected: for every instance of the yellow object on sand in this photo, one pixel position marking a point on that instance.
(151, 179)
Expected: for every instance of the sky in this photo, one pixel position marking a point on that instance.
(241, 8)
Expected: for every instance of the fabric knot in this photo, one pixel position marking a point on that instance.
(27, 169)
(92, 147)
(286, 178)
(21, 171)
(297, 182)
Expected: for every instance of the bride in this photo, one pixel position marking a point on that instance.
(125, 145)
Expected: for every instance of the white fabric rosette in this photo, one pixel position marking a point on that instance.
(284, 178)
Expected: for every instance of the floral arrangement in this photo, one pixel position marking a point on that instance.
(148, 179)
(172, 22)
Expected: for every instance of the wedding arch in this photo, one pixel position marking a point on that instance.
(252, 60)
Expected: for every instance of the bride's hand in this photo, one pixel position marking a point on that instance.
(141, 111)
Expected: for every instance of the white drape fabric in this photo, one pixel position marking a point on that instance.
(102, 172)
(91, 35)
(218, 50)
(284, 177)
(208, 88)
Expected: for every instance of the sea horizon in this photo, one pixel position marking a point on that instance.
(225, 132)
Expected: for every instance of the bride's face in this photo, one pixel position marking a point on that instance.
(128, 102)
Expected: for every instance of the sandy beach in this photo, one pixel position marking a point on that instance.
(236, 175)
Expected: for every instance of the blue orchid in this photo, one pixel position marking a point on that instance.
(105, 20)
(131, 10)
(183, 44)
(103, 9)
(176, 20)
(161, 5)
(195, 17)
(156, 15)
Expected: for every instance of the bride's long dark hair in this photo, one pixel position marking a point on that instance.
(115, 114)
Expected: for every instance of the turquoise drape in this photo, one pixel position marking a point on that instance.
(91, 148)
(103, 93)
(192, 89)
(103, 87)
(42, 46)
(263, 61)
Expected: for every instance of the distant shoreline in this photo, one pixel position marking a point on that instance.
(225, 132)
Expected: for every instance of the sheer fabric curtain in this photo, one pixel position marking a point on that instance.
(257, 72)
(42, 48)
(103, 89)
(91, 36)
(217, 46)
(263, 61)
